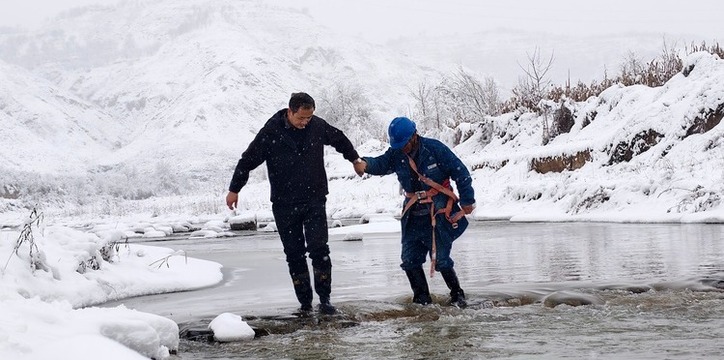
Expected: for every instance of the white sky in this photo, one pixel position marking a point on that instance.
(379, 20)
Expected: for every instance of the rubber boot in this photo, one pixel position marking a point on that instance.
(323, 287)
(418, 283)
(457, 295)
(303, 290)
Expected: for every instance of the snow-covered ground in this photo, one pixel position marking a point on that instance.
(51, 278)
(53, 275)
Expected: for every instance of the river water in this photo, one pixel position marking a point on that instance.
(535, 290)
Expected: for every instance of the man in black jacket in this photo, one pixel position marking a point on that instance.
(292, 144)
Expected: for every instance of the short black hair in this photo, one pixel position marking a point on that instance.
(301, 100)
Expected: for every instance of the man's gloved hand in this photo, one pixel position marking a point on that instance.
(232, 199)
(468, 208)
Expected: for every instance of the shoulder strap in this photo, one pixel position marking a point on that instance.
(430, 182)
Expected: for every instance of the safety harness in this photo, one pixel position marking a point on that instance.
(425, 197)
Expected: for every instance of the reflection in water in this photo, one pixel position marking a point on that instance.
(568, 290)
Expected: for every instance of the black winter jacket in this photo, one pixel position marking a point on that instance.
(294, 158)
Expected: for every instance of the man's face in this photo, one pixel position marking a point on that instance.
(301, 118)
(410, 145)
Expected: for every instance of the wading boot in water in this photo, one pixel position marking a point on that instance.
(457, 296)
(303, 290)
(418, 283)
(323, 287)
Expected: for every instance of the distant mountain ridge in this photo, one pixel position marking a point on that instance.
(48, 129)
(189, 82)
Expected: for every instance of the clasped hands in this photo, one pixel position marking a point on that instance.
(360, 166)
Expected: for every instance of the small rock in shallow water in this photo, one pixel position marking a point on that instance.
(354, 236)
(570, 299)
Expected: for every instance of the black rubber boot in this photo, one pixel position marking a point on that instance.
(323, 287)
(303, 290)
(418, 283)
(457, 295)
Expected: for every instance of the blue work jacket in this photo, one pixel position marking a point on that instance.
(436, 161)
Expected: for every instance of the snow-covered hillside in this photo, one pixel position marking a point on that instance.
(158, 98)
(47, 129)
(633, 154)
(191, 81)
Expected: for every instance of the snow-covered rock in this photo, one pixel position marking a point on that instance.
(228, 327)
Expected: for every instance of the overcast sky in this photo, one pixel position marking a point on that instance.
(379, 20)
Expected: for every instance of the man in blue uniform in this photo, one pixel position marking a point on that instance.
(292, 144)
(433, 215)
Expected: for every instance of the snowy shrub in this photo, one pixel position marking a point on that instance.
(715, 142)
(102, 248)
(422, 94)
(634, 71)
(714, 48)
(110, 249)
(581, 91)
(454, 100)
(562, 121)
(524, 194)
(164, 260)
(91, 263)
(493, 165)
(599, 197)
(668, 168)
(345, 106)
(707, 120)
(588, 119)
(482, 132)
(534, 86)
(624, 151)
(697, 200)
(481, 99)
(36, 257)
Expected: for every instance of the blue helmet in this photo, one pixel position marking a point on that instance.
(400, 131)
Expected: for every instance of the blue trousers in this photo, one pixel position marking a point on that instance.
(417, 244)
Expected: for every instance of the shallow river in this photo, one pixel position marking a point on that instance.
(652, 291)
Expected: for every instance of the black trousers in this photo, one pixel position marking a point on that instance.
(303, 228)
